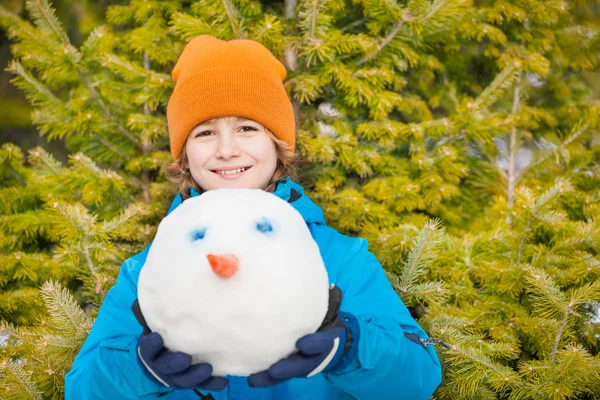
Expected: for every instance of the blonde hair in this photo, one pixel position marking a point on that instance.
(179, 173)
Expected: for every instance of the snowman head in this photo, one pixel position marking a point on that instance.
(235, 245)
(234, 278)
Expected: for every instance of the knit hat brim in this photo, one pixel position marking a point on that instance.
(229, 91)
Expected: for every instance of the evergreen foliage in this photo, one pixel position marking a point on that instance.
(461, 138)
(37, 358)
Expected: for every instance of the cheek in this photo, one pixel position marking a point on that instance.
(264, 151)
(197, 155)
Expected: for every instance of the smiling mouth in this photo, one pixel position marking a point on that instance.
(226, 172)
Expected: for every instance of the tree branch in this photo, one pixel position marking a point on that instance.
(88, 257)
(513, 150)
(313, 23)
(109, 145)
(563, 322)
(21, 379)
(107, 112)
(355, 23)
(230, 10)
(146, 145)
(549, 153)
(47, 14)
(54, 292)
(522, 241)
(383, 44)
(435, 8)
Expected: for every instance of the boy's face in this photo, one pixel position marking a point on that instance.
(231, 152)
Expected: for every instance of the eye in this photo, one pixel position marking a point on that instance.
(264, 226)
(248, 128)
(197, 234)
(203, 134)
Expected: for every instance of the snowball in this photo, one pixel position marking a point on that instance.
(234, 278)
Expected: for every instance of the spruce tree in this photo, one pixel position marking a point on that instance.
(461, 138)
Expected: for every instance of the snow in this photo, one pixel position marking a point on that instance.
(243, 323)
(4, 339)
(596, 313)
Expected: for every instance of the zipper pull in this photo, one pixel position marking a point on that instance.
(424, 342)
(435, 341)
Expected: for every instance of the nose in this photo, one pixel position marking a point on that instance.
(225, 266)
(228, 146)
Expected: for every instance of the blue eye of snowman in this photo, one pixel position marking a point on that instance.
(264, 226)
(197, 234)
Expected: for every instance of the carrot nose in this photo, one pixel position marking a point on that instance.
(224, 266)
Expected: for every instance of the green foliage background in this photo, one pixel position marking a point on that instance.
(460, 137)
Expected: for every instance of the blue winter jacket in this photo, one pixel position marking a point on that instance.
(381, 363)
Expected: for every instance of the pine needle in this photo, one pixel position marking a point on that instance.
(16, 383)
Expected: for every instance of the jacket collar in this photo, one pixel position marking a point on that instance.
(287, 190)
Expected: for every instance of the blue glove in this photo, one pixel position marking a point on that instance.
(172, 369)
(317, 352)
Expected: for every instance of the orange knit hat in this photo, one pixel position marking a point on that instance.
(216, 78)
